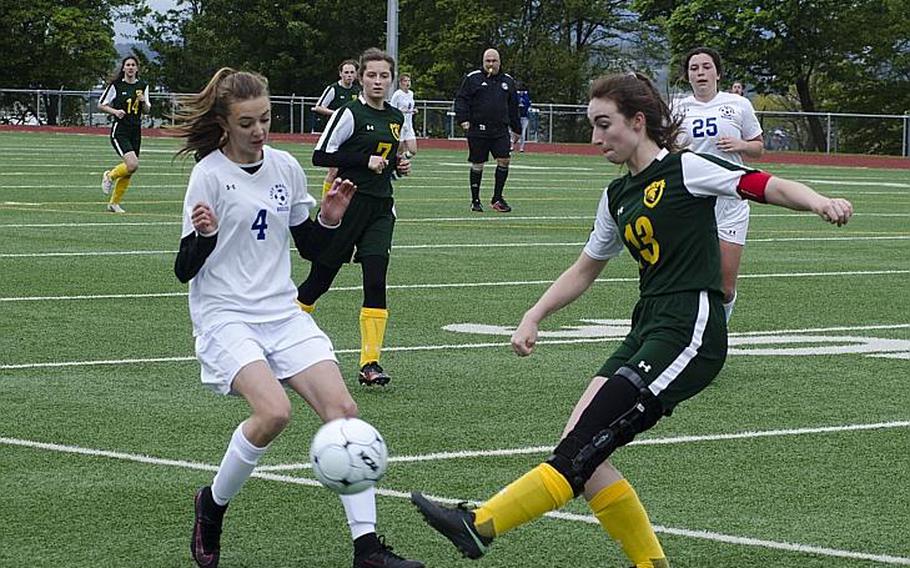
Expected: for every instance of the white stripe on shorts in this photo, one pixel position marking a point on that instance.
(114, 139)
(691, 350)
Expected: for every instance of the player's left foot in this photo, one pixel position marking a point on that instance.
(206, 543)
(107, 184)
(456, 524)
(115, 208)
(372, 374)
(383, 557)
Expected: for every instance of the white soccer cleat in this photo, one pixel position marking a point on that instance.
(115, 208)
(107, 184)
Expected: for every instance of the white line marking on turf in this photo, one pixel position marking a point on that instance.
(670, 440)
(449, 285)
(180, 359)
(559, 515)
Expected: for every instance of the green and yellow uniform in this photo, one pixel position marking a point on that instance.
(336, 96)
(356, 132)
(133, 99)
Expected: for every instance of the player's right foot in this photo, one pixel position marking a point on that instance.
(456, 524)
(206, 543)
(372, 374)
(115, 208)
(476, 207)
(501, 206)
(107, 184)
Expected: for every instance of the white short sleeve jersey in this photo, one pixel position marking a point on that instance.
(725, 115)
(605, 242)
(247, 277)
(405, 103)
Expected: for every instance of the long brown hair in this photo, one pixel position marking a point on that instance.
(633, 93)
(119, 74)
(198, 115)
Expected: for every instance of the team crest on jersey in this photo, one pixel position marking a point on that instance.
(654, 192)
(396, 130)
(279, 193)
(727, 111)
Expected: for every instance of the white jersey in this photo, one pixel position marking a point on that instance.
(247, 277)
(724, 115)
(404, 101)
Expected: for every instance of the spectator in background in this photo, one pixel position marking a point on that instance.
(737, 89)
(487, 108)
(524, 114)
(403, 100)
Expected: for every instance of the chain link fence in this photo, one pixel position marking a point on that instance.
(848, 133)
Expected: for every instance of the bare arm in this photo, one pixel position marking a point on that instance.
(566, 289)
(752, 149)
(800, 197)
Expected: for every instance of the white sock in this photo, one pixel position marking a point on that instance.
(728, 307)
(360, 509)
(236, 466)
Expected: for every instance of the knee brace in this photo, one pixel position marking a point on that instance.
(622, 408)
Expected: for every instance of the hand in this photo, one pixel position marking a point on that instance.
(336, 200)
(119, 113)
(515, 138)
(466, 125)
(836, 211)
(204, 220)
(730, 144)
(377, 164)
(524, 338)
(404, 166)
(140, 95)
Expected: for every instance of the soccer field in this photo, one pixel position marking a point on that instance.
(797, 455)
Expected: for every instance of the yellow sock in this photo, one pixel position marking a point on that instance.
(119, 189)
(305, 307)
(372, 333)
(622, 515)
(326, 186)
(540, 490)
(119, 171)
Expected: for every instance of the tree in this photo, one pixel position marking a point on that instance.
(51, 45)
(782, 44)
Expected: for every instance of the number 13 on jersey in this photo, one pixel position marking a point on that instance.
(641, 236)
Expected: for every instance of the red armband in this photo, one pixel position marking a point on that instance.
(752, 186)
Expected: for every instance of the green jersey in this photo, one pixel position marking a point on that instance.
(664, 216)
(356, 132)
(126, 96)
(337, 95)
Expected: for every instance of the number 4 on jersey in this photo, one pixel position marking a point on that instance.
(260, 225)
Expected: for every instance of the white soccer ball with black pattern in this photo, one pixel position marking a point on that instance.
(348, 455)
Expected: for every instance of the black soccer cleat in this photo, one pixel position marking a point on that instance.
(383, 557)
(456, 524)
(206, 543)
(501, 206)
(476, 207)
(372, 374)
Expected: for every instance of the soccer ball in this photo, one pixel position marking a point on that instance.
(348, 455)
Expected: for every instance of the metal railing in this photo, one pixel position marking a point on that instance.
(857, 133)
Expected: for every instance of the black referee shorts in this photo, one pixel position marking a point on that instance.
(479, 149)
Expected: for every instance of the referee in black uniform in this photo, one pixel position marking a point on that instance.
(486, 106)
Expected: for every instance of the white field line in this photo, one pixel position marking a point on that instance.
(571, 517)
(448, 285)
(442, 347)
(670, 440)
(89, 254)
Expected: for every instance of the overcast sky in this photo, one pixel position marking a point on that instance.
(123, 30)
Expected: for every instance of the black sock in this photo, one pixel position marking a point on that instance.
(501, 174)
(366, 544)
(475, 184)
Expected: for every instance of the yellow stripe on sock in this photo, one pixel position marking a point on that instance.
(624, 518)
(305, 307)
(540, 490)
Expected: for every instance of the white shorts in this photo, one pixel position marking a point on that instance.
(732, 219)
(407, 132)
(288, 346)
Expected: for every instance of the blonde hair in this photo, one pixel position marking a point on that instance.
(198, 115)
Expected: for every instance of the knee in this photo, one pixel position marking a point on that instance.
(477, 167)
(729, 293)
(132, 166)
(275, 418)
(345, 408)
(503, 162)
